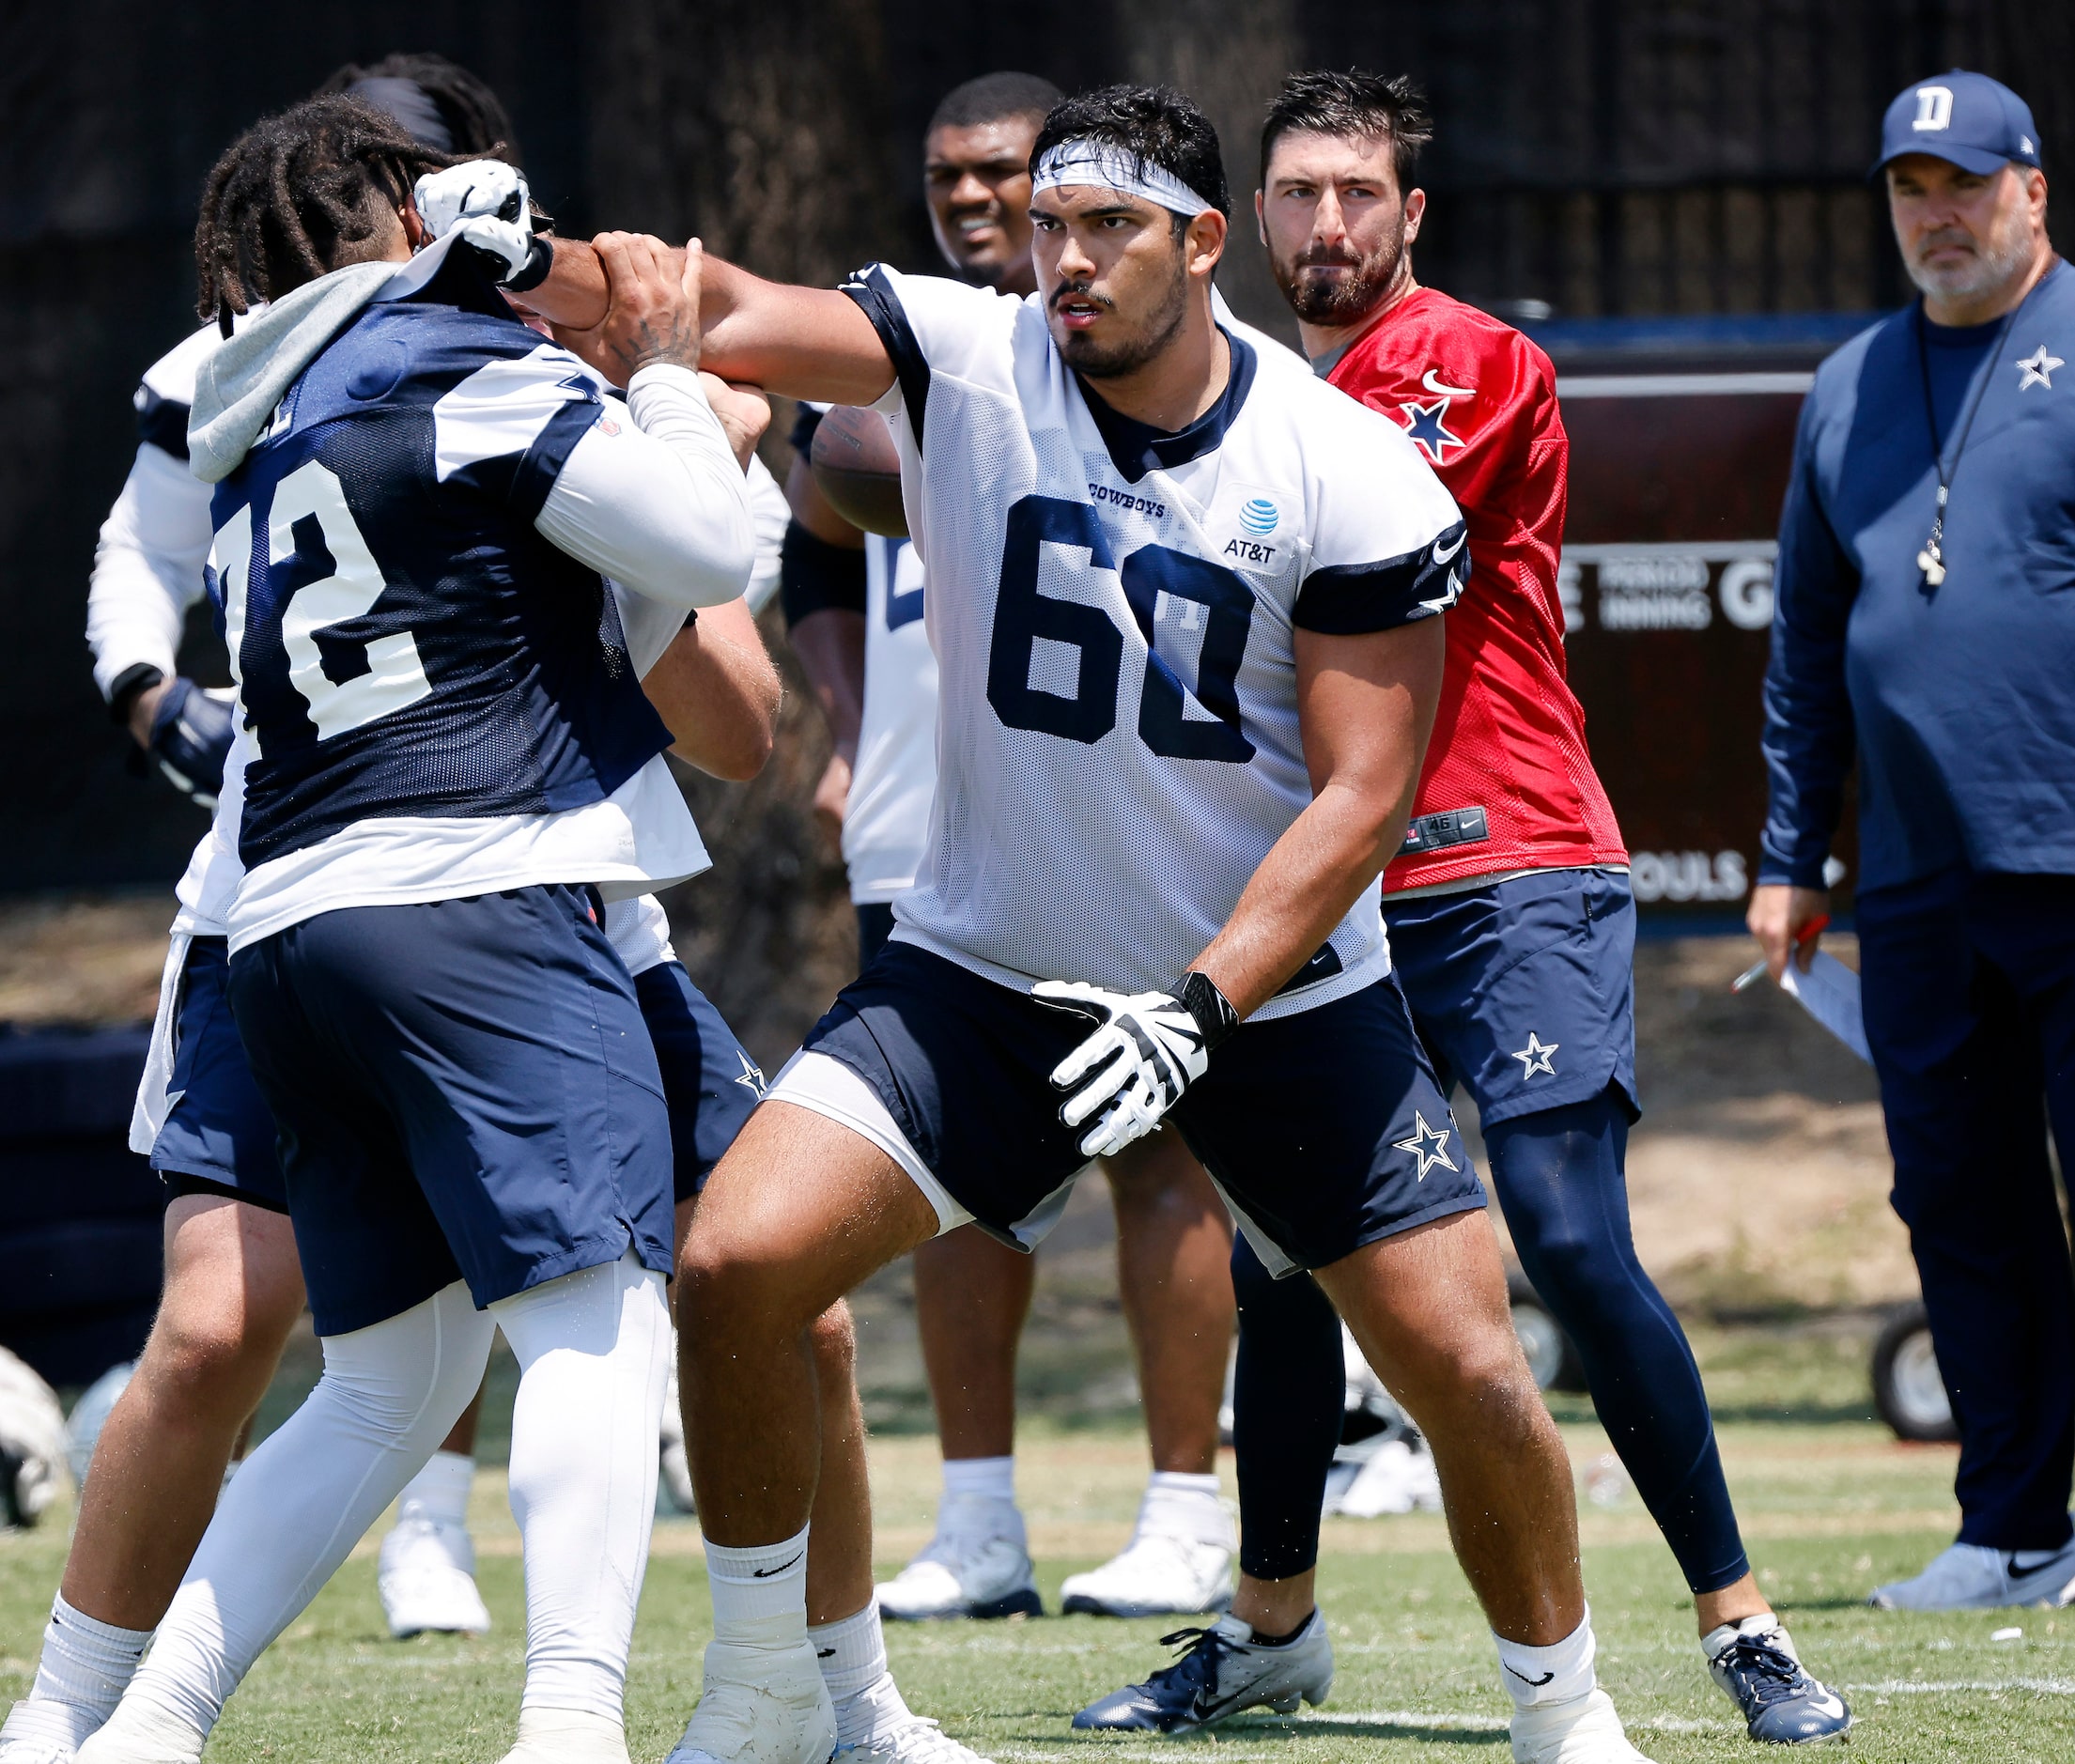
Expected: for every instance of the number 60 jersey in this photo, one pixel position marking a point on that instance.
(1114, 610)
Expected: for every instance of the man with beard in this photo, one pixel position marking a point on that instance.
(1924, 617)
(1511, 929)
(857, 622)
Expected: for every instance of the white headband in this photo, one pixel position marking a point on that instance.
(1085, 162)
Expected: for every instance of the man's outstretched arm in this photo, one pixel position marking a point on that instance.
(1365, 706)
(805, 343)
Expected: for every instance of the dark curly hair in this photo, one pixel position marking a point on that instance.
(300, 194)
(474, 118)
(1155, 124)
(1360, 106)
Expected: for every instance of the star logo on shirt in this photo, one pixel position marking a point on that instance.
(1428, 425)
(2038, 369)
(1537, 1056)
(752, 1075)
(1429, 1145)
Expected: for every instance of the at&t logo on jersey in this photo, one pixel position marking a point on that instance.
(1259, 517)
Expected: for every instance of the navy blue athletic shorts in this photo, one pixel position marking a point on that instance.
(1324, 1130)
(218, 1136)
(710, 1083)
(464, 1089)
(1524, 991)
(875, 926)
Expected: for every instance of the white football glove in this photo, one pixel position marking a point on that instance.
(486, 203)
(1148, 1048)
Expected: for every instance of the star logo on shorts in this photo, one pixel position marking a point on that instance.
(1537, 1055)
(1429, 1145)
(752, 1075)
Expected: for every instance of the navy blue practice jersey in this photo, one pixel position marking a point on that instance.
(405, 642)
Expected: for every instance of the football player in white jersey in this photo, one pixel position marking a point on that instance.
(1185, 602)
(972, 1293)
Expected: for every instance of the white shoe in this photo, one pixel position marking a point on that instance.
(141, 1733)
(1156, 1575)
(568, 1736)
(426, 1579)
(1584, 1730)
(42, 1730)
(1973, 1577)
(891, 1733)
(1393, 1479)
(976, 1566)
(22, 1742)
(760, 1706)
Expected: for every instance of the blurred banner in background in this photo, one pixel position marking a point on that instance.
(1654, 189)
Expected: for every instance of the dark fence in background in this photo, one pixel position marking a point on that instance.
(1596, 157)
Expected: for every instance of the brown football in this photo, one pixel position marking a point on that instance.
(858, 469)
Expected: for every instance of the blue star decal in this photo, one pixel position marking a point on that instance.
(1428, 425)
(1429, 1145)
(752, 1075)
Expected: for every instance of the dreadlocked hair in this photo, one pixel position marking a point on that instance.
(475, 117)
(301, 195)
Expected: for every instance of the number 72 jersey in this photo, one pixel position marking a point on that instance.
(406, 642)
(1114, 610)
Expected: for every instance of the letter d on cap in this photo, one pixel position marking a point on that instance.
(1934, 107)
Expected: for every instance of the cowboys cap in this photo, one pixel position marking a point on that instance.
(1977, 123)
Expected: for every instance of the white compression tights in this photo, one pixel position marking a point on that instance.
(593, 1349)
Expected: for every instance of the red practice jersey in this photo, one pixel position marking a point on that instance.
(1480, 401)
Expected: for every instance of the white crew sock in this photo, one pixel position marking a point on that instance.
(1559, 1673)
(85, 1667)
(982, 1479)
(303, 1499)
(440, 1491)
(759, 1591)
(1180, 1505)
(594, 1352)
(1764, 1624)
(851, 1653)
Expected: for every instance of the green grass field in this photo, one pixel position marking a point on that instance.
(1831, 1505)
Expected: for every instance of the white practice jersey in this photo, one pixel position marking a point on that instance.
(886, 820)
(1113, 612)
(147, 567)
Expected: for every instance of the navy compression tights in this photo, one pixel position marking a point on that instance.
(1559, 1174)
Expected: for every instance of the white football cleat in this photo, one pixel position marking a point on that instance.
(1394, 1478)
(19, 1746)
(426, 1579)
(760, 1706)
(1973, 1577)
(42, 1730)
(568, 1736)
(1584, 1730)
(142, 1733)
(1156, 1575)
(976, 1566)
(891, 1733)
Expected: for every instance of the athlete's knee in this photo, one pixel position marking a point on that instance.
(216, 1345)
(726, 1285)
(1474, 1376)
(834, 1339)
